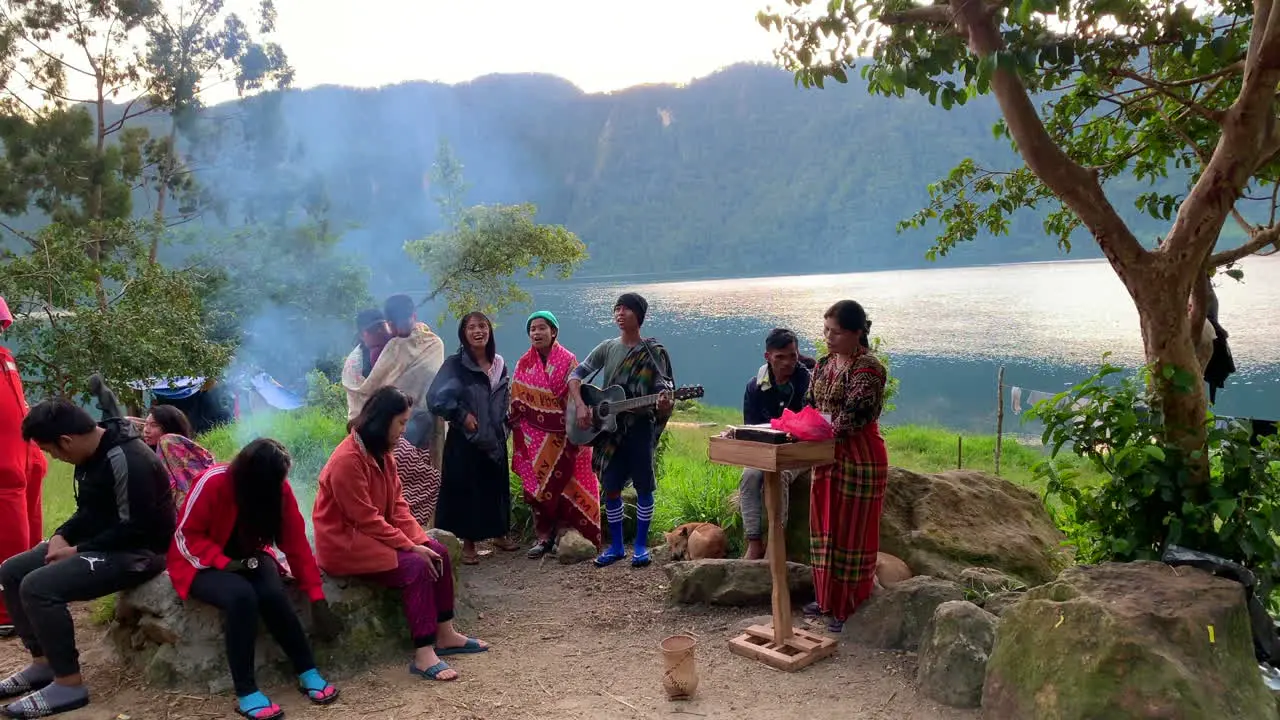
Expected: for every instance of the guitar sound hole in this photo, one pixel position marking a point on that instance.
(603, 410)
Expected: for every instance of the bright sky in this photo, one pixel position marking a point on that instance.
(599, 45)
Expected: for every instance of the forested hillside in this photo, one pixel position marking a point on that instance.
(737, 173)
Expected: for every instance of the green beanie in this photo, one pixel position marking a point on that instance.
(545, 315)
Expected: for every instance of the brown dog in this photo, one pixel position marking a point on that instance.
(697, 541)
(890, 570)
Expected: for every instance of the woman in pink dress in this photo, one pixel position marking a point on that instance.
(556, 475)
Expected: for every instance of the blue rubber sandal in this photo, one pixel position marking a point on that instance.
(641, 559)
(471, 646)
(608, 557)
(433, 672)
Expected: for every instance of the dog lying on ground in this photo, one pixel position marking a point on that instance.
(890, 571)
(697, 541)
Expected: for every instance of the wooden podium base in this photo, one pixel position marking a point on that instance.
(790, 648)
(800, 650)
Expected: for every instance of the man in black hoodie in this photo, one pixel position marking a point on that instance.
(116, 539)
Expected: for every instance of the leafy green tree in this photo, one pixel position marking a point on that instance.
(193, 46)
(474, 262)
(60, 59)
(1180, 97)
(151, 326)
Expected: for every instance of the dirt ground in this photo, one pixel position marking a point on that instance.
(570, 642)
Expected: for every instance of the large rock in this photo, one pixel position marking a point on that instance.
(953, 654)
(180, 645)
(941, 524)
(451, 543)
(731, 582)
(1134, 640)
(895, 618)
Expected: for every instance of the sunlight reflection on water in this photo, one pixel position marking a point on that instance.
(1064, 312)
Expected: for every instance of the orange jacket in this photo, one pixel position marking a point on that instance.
(360, 517)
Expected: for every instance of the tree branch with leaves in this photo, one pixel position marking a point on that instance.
(1091, 92)
(476, 261)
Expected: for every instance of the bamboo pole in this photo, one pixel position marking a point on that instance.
(999, 416)
(959, 452)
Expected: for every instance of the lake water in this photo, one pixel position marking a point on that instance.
(947, 330)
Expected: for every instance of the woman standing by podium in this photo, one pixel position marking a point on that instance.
(847, 496)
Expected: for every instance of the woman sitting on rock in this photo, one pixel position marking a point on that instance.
(166, 430)
(220, 555)
(363, 528)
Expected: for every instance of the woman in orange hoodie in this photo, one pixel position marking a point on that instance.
(363, 528)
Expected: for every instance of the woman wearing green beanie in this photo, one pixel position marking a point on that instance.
(556, 475)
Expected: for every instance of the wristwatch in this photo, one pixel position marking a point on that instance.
(251, 563)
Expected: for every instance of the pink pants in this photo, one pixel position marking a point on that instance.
(427, 602)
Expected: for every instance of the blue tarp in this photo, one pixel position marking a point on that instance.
(275, 395)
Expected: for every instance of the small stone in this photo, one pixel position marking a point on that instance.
(998, 603)
(953, 654)
(572, 548)
(985, 580)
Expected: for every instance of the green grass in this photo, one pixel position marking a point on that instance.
(691, 488)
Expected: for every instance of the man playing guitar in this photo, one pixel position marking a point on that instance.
(642, 367)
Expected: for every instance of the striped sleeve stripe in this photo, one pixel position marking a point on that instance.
(178, 537)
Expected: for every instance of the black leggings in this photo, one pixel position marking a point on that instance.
(243, 598)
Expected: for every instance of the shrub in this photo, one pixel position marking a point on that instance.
(1146, 500)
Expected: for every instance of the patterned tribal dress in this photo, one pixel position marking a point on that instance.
(556, 475)
(848, 496)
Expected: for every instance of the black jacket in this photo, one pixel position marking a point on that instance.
(763, 401)
(461, 387)
(122, 497)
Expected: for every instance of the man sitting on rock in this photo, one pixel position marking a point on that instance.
(116, 540)
(781, 384)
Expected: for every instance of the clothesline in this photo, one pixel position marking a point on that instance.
(1029, 398)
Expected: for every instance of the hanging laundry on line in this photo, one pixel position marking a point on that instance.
(1025, 397)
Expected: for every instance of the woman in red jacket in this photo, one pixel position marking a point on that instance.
(364, 528)
(22, 469)
(221, 555)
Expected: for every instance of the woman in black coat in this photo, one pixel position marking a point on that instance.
(472, 391)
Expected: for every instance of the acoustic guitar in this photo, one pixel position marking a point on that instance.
(607, 404)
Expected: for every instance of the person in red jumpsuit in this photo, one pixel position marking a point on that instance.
(22, 469)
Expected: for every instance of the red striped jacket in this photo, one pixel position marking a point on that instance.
(205, 524)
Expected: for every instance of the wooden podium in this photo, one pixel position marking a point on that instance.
(779, 645)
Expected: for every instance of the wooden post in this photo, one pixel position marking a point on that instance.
(777, 555)
(959, 452)
(999, 416)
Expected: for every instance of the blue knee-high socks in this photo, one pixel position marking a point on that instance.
(644, 517)
(613, 515)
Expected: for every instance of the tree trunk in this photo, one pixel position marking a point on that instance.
(162, 192)
(95, 193)
(1160, 296)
